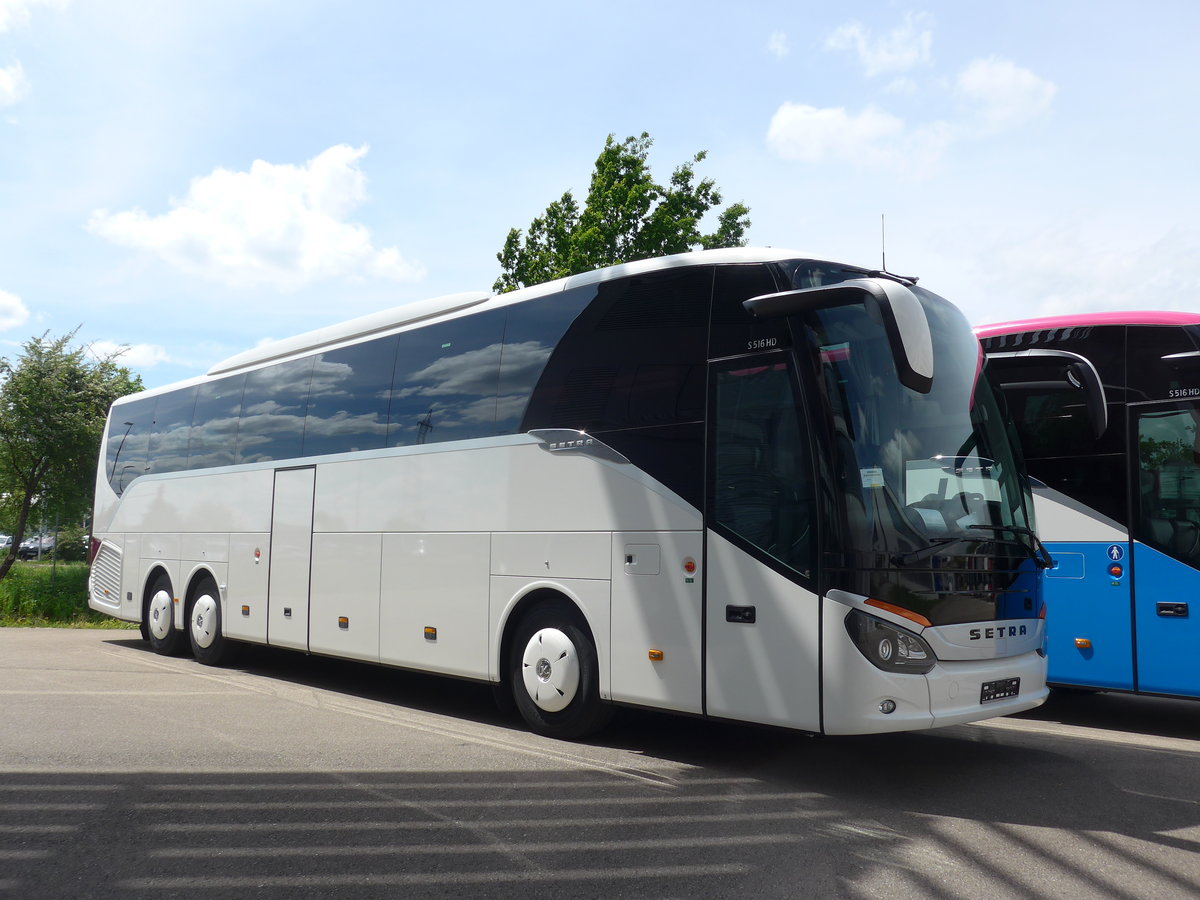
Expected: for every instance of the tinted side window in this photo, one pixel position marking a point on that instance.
(1161, 362)
(273, 410)
(348, 400)
(1168, 493)
(734, 330)
(531, 333)
(446, 380)
(128, 437)
(762, 483)
(215, 423)
(170, 434)
(634, 358)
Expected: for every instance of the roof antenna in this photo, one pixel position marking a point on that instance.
(903, 279)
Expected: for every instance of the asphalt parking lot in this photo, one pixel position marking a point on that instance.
(123, 773)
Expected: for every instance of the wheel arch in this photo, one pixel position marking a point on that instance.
(195, 579)
(152, 575)
(524, 602)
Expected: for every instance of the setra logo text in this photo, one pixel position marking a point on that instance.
(992, 633)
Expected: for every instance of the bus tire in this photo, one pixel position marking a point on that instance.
(205, 628)
(159, 618)
(554, 675)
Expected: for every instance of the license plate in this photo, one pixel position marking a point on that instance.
(998, 690)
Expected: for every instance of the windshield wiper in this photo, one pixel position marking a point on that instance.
(1038, 552)
(907, 559)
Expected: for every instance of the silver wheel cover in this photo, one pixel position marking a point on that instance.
(550, 670)
(204, 621)
(160, 614)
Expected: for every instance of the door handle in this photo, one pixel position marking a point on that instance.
(746, 615)
(1173, 610)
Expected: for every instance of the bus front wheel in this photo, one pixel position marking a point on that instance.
(209, 645)
(554, 675)
(159, 619)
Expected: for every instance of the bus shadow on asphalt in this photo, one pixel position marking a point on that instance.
(967, 810)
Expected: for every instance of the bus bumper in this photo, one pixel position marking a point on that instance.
(858, 698)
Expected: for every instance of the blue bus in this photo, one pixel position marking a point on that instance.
(1107, 408)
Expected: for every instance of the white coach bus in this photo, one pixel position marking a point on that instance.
(738, 484)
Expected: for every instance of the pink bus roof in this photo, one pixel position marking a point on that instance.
(1139, 317)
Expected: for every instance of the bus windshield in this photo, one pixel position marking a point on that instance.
(924, 483)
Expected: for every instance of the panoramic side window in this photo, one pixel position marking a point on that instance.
(215, 423)
(633, 359)
(348, 399)
(273, 409)
(171, 432)
(531, 333)
(762, 483)
(1169, 481)
(128, 440)
(445, 382)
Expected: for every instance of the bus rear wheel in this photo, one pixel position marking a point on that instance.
(554, 675)
(159, 619)
(209, 644)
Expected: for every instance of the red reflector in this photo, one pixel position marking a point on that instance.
(93, 549)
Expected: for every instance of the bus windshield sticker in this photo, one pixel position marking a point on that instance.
(872, 477)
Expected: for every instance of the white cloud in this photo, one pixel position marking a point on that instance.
(871, 138)
(809, 134)
(136, 356)
(281, 226)
(777, 45)
(903, 48)
(14, 86)
(17, 13)
(12, 311)
(1004, 94)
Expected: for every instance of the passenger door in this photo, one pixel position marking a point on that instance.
(762, 621)
(291, 557)
(1165, 567)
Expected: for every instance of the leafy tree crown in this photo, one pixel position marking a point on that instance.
(627, 216)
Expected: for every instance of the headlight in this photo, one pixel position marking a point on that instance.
(888, 647)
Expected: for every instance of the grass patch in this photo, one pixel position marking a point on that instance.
(42, 594)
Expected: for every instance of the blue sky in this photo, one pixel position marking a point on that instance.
(192, 177)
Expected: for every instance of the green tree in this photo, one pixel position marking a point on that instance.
(627, 216)
(53, 403)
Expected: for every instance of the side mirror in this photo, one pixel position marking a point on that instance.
(899, 309)
(1080, 375)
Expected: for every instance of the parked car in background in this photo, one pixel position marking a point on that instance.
(37, 546)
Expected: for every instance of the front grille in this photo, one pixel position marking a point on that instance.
(106, 574)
